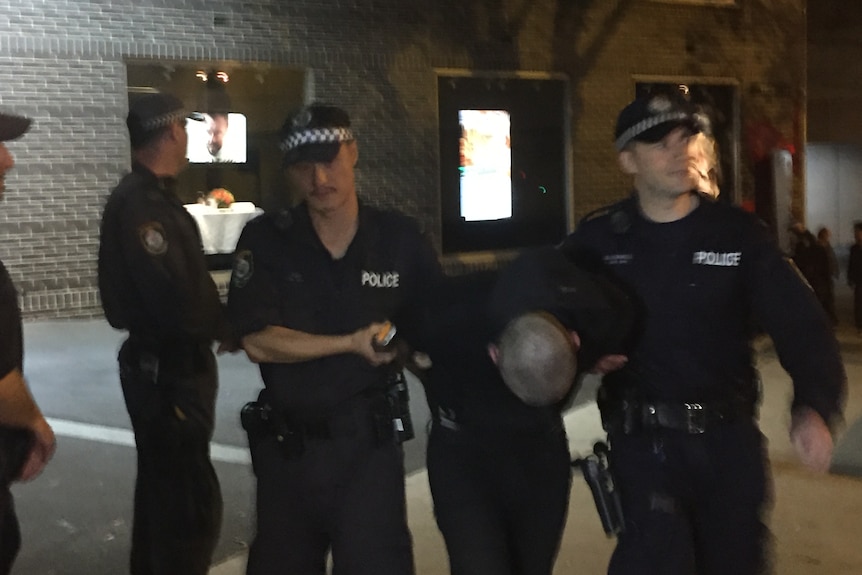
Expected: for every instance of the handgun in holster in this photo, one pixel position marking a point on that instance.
(260, 420)
(398, 407)
(395, 423)
(598, 475)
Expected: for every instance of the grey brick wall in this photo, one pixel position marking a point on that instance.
(62, 63)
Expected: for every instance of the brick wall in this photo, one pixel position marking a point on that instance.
(62, 63)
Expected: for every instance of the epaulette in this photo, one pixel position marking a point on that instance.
(619, 215)
(283, 220)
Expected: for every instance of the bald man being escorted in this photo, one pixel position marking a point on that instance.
(498, 459)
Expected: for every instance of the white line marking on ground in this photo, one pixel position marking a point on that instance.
(119, 436)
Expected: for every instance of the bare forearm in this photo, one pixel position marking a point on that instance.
(17, 407)
(275, 344)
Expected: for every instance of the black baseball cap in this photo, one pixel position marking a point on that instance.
(13, 127)
(150, 113)
(652, 117)
(314, 133)
(543, 279)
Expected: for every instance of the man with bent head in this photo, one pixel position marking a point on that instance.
(498, 460)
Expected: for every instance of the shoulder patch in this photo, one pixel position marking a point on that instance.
(243, 268)
(152, 236)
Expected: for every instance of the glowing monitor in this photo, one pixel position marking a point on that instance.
(486, 165)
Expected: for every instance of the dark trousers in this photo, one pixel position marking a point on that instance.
(857, 305)
(178, 505)
(500, 503)
(343, 494)
(15, 445)
(10, 534)
(694, 504)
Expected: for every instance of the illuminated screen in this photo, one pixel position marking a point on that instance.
(486, 165)
(216, 138)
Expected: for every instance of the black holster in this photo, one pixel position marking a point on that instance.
(599, 477)
(260, 420)
(397, 416)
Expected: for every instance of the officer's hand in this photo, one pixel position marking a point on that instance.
(229, 345)
(609, 363)
(812, 439)
(42, 451)
(361, 344)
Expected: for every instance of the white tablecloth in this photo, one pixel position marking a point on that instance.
(220, 227)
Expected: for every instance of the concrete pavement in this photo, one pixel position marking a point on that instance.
(815, 520)
(76, 516)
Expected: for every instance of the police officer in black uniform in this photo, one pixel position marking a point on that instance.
(154, 283)
(499, 468)
(687, 451)
(26, 440)
(310, 289)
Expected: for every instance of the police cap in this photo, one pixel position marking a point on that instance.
(314, 133)
(652, 117)
(150, 114)
(12, 127)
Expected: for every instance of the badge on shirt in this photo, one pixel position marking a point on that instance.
(243, 268)
(153, 238)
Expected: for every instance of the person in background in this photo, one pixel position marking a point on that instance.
(154, 283)
(811, 257)
(27, 442)
(826, 293)
(312, 286)
(689, 458)
(854, 274)
(505, 349)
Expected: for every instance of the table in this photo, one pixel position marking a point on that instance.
(220, 227)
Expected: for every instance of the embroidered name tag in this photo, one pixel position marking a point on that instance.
(728, 259)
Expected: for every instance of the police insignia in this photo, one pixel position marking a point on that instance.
(659, 104)
(153, 238)
(243, 268)
(302, 119)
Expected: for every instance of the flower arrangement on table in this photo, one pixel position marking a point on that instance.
(221, 197)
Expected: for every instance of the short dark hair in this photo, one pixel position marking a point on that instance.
(536, 358)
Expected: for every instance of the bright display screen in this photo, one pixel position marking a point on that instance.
(216, 138)
(486, 165)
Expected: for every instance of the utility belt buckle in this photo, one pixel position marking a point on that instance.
(695, 418)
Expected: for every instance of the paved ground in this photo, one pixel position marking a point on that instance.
(76, 516)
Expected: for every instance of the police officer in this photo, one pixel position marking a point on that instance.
(154, 283)
(498, 466)
(689, 457)
(310, 289)
(26, 440)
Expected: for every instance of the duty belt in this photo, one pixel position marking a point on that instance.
(694, 418)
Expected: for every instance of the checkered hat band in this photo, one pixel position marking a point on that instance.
(316, 136)
(164, 120)
(648, 124)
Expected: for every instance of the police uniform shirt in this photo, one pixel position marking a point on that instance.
(153, 277)
(284, 276)
(703, 282)
(11, 347)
